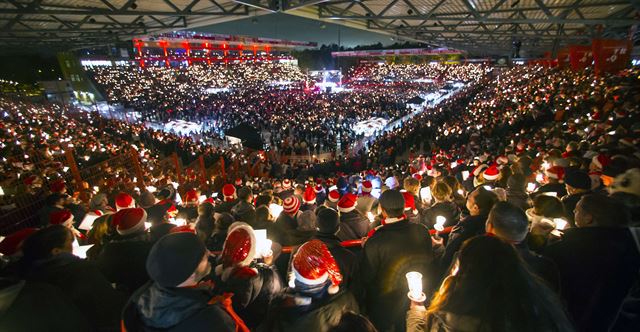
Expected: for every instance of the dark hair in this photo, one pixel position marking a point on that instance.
(40, 244)
(485, 199)
(263, 199)
(262, 213)
(353, 322)
(548, 206)
(244, 193)
(516, 182)
(491, 278)
(606, 211)
(392, 202)
(509, 222)
(224, 221)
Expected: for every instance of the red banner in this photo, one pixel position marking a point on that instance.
(580, 56)
(610, 55)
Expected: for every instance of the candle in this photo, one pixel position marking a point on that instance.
(414, 281)
(539, 177)
(439, 226)
(264, 248)
(465, 175)
(531, 187)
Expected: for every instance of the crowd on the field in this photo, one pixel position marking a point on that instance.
(289, 117)
(517, 200)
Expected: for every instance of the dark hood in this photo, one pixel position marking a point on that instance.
(161, 307)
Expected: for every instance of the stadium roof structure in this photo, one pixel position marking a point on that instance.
(472, 25)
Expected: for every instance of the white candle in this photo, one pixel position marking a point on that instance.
(531, 187)
(560, 223)
(414, 280)
(439, 226)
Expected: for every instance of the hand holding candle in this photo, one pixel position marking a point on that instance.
(414, 280)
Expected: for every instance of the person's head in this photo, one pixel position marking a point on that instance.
(353, 322)
(411, 185)
(508, 222)
(488, 277)
(178, 260)
(205, 209)
(263, 199)
(480, 201)
(328, 221)
(577, 182)
(516, 182)
(47, 242)
(548, 206)
(56, 199)
(391, 203)
(224, 221)
(245, 194)
(263, 214)
(597, 210)
(442, 192)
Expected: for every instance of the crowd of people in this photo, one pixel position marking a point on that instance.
(412, 72)
(291, 117)
(516, 200)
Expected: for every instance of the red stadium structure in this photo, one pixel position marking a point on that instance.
(190, 47)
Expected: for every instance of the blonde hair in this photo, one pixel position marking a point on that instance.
(411, 185)
(442, 192)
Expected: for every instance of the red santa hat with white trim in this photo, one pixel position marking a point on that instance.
(334, 196)
(309, 196)
(124, 201)
(491, 173)
(130, 221)
(347, 203)
(60, 217)
(555, 172)
(478, 169)
(238, 251)
(313, 265)
(229, 192)
(318, 188)
(600, 161)
(367, 187)
(409, 203)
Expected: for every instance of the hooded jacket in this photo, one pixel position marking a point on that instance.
(156, 308)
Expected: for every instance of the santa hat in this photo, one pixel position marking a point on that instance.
(555, 172)
(130, 221)
(417, 176)
(286, 184)
(491, 173)
(124, 201)
(313, 265)
(333, 196)
(476, 171)
(57, 186)
(60, 217)
(367, 186)
(13, 243)
(409, 202)
(309, 196)
(238, 182)
(184, 228)
(347, 203)
(318, 188)
(190, 196)
(229, 192)
(239, 249)
(291, 205)
(600, 161)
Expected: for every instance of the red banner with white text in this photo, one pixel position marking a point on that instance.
(610, 55)
(580, 56)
